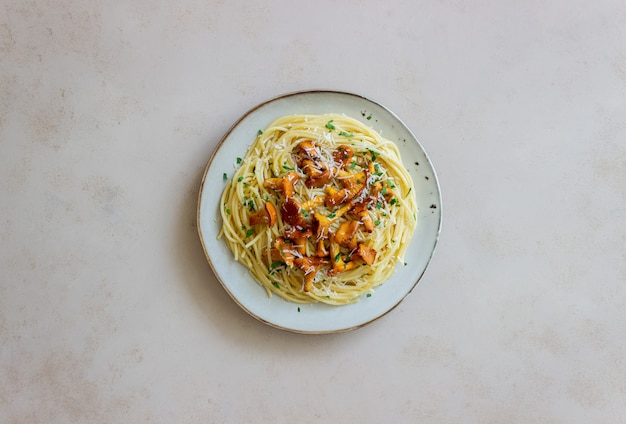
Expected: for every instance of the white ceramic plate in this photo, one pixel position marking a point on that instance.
(318, 318)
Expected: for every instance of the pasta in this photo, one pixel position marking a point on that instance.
(320, 209)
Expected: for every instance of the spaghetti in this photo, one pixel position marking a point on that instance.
(320, 209)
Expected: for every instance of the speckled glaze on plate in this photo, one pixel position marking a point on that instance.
(318, 318)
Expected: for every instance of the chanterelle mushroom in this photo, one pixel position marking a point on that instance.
(310, 266)
(343, 155)
(346, 232)
(321, 224)
(309, 149)
(283, 251)
(265, 216)
(291, 211)
(284, 184)
(338, 264)
(299, 238)
(366, 253)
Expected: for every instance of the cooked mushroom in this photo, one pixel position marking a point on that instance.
(288, 182)
(381, 189)
(335, 197)
(345, 234)
(313, 203)
(310, 266)
(291, 212)
(343, 155)
(321, 224)
(318, 174)
(366, 220)
(321, 250)
(264, 216)
(354, 183)
(273, 183)
(283, 251)
(319, 180)
(299, 237)
(338, 264)
(309, 149)
(284, 184)
(366, 253)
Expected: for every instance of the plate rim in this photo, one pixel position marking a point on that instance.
(214, 154)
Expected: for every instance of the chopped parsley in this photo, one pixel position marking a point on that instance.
(276, 264)
(407, 193)
(239, 161)
(288, 168)
(346, 134)
(227, 211)
(331, 215)
(330, 125)
(393, 201)
(378, 172)
(250, 232)
(225, 176)
(369, 117)
(369, 295)
(275, 284)
(298, 309)
(240, 179)
(377, 223)
(337, 257)
(259, 132)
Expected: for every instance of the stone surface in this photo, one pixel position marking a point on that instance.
(109, 112)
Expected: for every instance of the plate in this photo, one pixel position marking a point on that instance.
(318, 318)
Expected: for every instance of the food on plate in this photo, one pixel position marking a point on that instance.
(319, 209)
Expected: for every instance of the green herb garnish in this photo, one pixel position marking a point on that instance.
(276, 264)
(330, 125)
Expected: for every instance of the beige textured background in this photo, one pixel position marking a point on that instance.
(109, 111)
